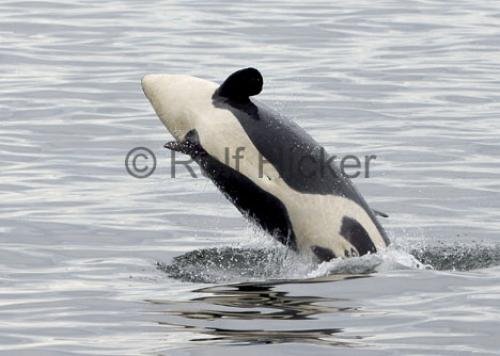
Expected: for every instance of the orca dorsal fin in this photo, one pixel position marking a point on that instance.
(241, 85)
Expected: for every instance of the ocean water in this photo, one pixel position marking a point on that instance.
(95, 261)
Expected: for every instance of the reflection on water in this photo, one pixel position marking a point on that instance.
(256, 302)
(275, 336)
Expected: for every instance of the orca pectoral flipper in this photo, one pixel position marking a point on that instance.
(189, 145)
(183, 147)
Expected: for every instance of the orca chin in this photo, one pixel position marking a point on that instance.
(321, 214)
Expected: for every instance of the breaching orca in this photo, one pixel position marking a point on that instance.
(280, 181)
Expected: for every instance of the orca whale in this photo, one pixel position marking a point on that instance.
(280, 182)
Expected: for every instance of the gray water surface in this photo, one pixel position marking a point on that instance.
(95, 261)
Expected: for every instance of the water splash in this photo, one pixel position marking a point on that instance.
(459, 256)
(231, 264)
(275, 262)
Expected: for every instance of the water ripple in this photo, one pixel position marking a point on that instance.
(414, 83)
